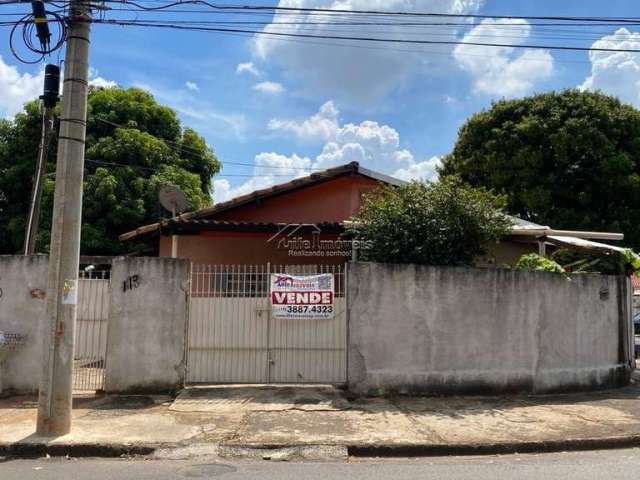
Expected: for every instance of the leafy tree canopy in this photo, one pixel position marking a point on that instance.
(134, 145)
(442, 223)
(570, 160)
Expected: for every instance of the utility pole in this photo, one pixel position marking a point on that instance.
(56, 386)
(49, 100)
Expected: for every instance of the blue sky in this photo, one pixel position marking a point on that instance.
(297, 107)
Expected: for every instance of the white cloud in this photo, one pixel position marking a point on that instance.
(102, 83)
(95, 80)
(616, 73)
(352, 71)
(271, 168)
(335, 154)
(323, 125)
(17, 89)
(269, 87)
(425, 170)
(223, 191)
(247, 67)
(281, 164)
(503, 71)
(371, 144)
(193, 86)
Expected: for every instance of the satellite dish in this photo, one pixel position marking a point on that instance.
(173, 199)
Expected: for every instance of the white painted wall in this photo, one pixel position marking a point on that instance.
(147, 324)
(23, 310)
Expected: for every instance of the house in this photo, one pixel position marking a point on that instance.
(303, 221)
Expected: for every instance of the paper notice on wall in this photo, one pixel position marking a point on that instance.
(70, 292)
(302, 296)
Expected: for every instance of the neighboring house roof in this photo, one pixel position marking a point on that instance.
(352, 168)
(576, 240)
(635, 282)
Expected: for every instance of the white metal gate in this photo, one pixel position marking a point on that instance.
(234, 339)
(91, 334)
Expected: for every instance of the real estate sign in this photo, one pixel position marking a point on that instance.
(302, 296)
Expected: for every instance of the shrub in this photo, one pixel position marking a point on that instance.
(441, 223)
(537, 263)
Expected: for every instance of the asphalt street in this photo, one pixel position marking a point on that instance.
(607, 464)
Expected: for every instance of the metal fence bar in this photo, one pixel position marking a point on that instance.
(91, 332)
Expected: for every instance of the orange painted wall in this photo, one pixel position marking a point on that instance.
(240, 248)
(331, 201)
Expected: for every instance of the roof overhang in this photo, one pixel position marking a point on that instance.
(546, 232)
(581, 244)
(190, 227)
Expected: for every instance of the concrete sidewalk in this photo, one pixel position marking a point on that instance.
(234, 420)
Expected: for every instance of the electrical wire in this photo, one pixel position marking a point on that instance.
(28, 22)
(180, 148)
(157, 169)
(431, 33)
(377, 22)
(362, 38)
(275, 28)
(334, 11)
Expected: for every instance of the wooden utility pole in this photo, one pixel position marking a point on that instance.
(56, 387)
(49, 100)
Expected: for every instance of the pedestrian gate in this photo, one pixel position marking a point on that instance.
(91, 333)
(233, 337)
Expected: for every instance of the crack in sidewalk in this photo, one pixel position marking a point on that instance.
(420, 428)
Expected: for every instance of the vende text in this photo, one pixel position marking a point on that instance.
(301, 298)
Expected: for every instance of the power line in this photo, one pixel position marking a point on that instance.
(302, 26)
(138, 23)
(180, 149)
(388, 23)
(338, 27)
(158, 169)
(404, 50)
(334, 11)
(275, 28)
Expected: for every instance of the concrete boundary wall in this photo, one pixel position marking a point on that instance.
(440, 330)
(147, 324)
(23, 309)
(411, 329)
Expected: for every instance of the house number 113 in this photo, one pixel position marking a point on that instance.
(130, 283)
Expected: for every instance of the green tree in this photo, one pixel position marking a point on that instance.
(570, 160)
(134, 145)
(442, 223)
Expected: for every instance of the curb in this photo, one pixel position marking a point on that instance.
(77, 450)
(80, 450)
(443, 450)
(435, 450)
